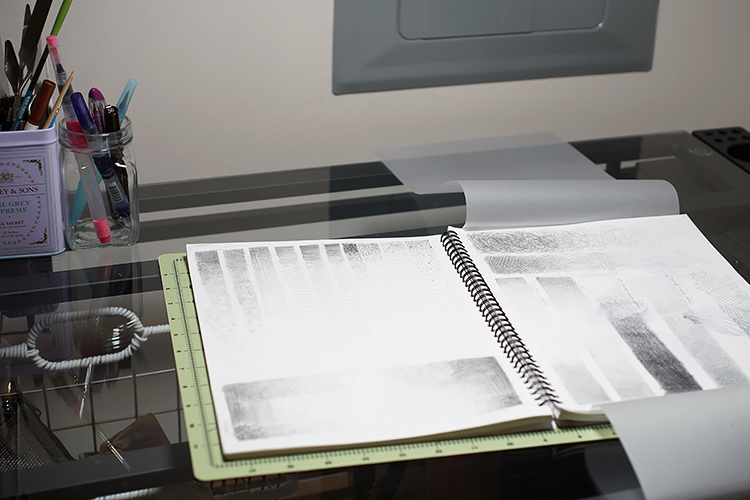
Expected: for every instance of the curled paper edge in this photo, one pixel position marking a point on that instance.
(527, 203)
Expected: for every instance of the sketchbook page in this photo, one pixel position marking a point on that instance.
(516, 203)
(622, 309)
(314, 344)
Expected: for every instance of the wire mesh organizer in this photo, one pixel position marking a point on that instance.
(25, 442)
(84, 404)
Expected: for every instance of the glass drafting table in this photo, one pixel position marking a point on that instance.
(136, 401)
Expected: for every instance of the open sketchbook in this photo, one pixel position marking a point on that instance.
(322, 344)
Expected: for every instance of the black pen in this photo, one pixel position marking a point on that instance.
(111, 124)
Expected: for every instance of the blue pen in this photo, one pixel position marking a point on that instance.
(99, 154)
(127, 94)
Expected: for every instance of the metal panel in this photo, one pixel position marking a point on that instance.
(397, 44)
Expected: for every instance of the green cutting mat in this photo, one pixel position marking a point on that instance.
(203, 436)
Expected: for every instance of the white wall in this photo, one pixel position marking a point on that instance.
(232, 87)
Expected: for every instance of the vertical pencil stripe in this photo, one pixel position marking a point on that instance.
(243, 286)
(580, 382)
(209, 268)
(264, 274)
(668, 371)
(695, 334)
(212, 276)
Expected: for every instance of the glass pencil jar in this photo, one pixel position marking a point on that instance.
(99, 186)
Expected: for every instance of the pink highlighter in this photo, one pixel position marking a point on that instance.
(90, 183)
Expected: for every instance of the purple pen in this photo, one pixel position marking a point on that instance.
(96, 107)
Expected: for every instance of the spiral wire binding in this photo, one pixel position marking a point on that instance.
(28, 350)
(512, 346)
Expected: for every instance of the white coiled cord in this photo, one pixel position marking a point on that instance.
(28, 350)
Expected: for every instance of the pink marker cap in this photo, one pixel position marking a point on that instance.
(77, 139)
(102, 230)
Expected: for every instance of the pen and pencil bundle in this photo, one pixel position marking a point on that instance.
(95, 150)
(95, 182)
(23, 71)
(99, 185)
(99, 179)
